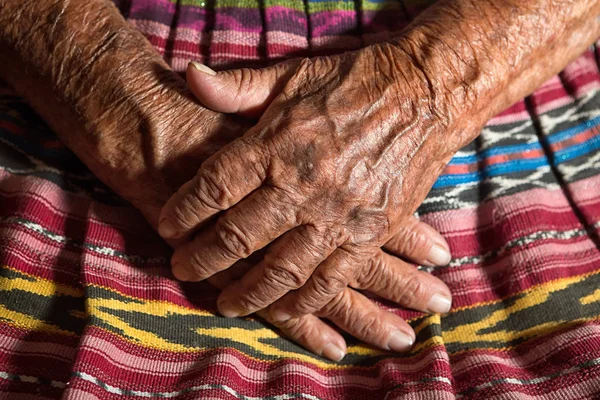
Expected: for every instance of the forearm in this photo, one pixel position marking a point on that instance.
(79, 65)
(481, 56)
(105, 91)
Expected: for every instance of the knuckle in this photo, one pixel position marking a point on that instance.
(245, 81)
(408, 241)
(282, 273)
(252, 301)
(369, 276)
(211, 191)
(412, 289)
(197, 265)
(233, 240)
(338, 307)
(371, 326)
(184, 214)
(298, 329)
(328, 284)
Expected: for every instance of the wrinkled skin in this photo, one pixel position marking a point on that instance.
(384, 274)
(334, 167)
(137, 127)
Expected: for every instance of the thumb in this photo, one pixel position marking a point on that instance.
(247, 92)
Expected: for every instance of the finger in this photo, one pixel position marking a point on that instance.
(329, 279)
(235, 272)
(286, 266)
(222, 181)
(243, 91)
(420, 243)
(313, 334)
(309, 331)
(400, 282)
(363, 319)
(243, 229)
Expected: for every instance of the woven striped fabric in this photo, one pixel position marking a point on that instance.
(88, 309)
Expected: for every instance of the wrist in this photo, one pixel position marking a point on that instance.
(460, 86)
(480, 56)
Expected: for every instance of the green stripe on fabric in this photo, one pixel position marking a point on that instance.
(314, 7)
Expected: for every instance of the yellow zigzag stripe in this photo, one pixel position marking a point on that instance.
(249, 337)
(537, 295)
(589, 299)
(39, 286)
(461, 334)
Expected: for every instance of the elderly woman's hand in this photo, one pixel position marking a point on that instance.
(189, 134)
(385, 274)
(337, 164)
(351, 144)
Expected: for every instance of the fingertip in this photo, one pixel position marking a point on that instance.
(167, 230)
(196, 66)
(179, 271)
(400, 341)
(280, 315)
(439, 303)
(334, 352)
(227, 310)
(439, 256)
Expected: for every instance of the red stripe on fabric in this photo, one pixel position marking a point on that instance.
(524, 155)
(577, 139)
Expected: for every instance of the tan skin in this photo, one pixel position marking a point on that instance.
(111, 98)
(348, 146)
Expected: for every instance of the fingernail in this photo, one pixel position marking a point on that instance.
(227, 310)
(439, 255)
(280, 315)
(203, 68)
(180, 273)
(333, 352)
(400, 341)
(439, 304)
(166, 229)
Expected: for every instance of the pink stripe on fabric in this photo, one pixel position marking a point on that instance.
(238, 38)
(25, 347)
(332, 378)
(287, 39)
(572, 391)
(195, 36)
(537, 356)
(450, 222)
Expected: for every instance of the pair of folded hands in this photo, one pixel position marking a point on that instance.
(334, 210)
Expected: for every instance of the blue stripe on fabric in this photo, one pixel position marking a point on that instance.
(513, 166)
(518, 148)
(491, 171)
(567, 133)
(577, 150)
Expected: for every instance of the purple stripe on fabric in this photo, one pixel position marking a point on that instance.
(286, 20)
(238, 19)
(161, 12)
(329, 23)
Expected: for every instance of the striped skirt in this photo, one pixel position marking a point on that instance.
(89, 310)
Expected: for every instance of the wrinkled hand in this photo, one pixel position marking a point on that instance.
(347, 148)
(189, 136)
